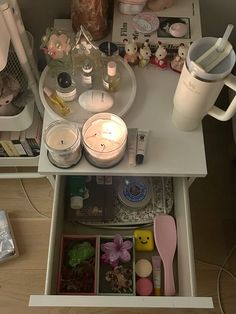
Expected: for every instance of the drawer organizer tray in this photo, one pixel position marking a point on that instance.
(184, 275)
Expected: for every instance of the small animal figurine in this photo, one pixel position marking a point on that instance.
(160, 58)
(131, 51)
(178, 62)
(144, 54)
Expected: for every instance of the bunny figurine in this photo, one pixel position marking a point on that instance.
(178, 62)
(144, 54)
(160, 58)
(131, 51)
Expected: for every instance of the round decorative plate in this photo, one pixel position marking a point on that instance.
(123, 99)
(145, 22)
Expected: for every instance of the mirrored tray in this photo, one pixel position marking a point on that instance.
(123, 99)
(104, 207)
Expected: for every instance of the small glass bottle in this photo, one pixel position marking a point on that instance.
(66, 88)
(87, 74)
(111, 77)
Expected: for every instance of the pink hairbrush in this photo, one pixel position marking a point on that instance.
(166, 240)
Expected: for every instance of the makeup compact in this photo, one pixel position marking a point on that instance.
(134, 192)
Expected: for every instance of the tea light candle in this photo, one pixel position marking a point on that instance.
(62, 139)
(104, 137)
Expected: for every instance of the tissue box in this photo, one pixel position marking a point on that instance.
(8, 247)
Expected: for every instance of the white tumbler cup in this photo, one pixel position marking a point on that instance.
(197, 90)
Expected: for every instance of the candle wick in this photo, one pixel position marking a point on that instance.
(62, 142)
(103, 146)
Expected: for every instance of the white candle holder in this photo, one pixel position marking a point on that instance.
(62, 140)
(104, 137)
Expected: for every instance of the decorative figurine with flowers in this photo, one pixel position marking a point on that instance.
(57, 46)
(116, 265)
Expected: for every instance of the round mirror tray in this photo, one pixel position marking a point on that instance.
(123, 98)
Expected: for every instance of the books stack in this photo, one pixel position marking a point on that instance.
(24, 143)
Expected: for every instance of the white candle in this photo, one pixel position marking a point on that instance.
(62, 140)
(104, 137)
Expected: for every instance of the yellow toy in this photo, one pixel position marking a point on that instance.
(144, 240)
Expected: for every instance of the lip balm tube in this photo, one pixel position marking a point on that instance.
(156, 274)
(132, 146)
(141, 145)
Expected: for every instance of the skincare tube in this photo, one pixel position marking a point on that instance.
(132, 146)
(141, 145)
(156, 274)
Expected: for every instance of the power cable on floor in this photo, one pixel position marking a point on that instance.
(221, 269)
(30, 202)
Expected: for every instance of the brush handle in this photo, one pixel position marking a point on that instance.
(169, 283)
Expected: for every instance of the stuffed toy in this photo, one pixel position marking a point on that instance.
(11, 100)
(178, 62)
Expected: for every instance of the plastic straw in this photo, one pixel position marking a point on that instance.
(225, 37)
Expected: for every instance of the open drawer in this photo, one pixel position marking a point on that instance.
(186, 290)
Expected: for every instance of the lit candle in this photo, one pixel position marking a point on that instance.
(62, 140)
(104, 136)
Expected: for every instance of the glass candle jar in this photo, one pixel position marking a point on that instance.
(62, 140)
(104, 137)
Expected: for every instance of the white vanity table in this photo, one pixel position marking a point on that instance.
(170, 153)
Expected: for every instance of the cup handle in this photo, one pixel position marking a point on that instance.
(220, 114)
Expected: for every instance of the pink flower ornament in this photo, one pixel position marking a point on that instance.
(58, 46)
(116, 251)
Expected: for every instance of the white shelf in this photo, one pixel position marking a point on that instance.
(20, 121)
(19, 161)
(170, 152)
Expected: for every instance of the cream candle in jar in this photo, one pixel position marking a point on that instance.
(62, 140)
(104, 138)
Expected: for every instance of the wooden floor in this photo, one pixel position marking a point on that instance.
(213, 208)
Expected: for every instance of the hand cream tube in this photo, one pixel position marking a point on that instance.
(156, 274)
(132, 146)
(141, 145)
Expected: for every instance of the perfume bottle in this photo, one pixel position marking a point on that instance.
(111, 77)
(87, 74)
(66, 88)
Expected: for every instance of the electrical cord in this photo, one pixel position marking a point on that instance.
(219, 276)
(30, 202)
(221, 269)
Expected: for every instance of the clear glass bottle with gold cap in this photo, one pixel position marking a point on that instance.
(111, 77)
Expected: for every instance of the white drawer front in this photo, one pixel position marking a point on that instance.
(185, 267)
